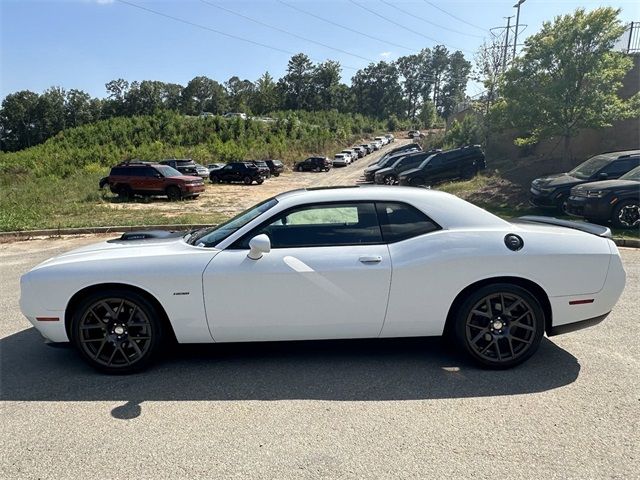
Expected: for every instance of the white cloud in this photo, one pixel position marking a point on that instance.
(385, 54)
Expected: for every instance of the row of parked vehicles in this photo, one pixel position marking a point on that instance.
(605, 188)
(247, 171)
(410, 165)
(349, 155)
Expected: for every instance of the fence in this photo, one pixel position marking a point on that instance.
(629, 42)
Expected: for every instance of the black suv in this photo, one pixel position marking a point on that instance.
(552, 191)
(386, 159)
(396, 165)
(464, 162)
(276, 167)
(263, 167)
(187, 166)
(615, 200)
(246, 172)
(316, 164)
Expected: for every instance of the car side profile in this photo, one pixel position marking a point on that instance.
(359, 262)
(464, 162)
(617, 201)
(313, 164)
(245, 172)
(553, 191)
(146, 178)
(390, 173)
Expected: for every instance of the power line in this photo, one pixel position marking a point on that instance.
(429, 21)
(219, 32)
(277, 29)
(453, 16)
(373, 12)
(344, 27)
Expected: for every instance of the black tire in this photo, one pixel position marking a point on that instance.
(626, 214)
(214, 179)
(561, 206)
(260, 181)
(117, 331)
(469, 172)
(276, 174)
(327, 169)
(247, 180)
(124, 192)
(300, 169)
(317, 169)
(173, 193)
(502, 337)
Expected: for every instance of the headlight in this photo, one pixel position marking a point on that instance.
(596, 193)
(546, 190)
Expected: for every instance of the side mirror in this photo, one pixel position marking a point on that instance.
(602, 176)
(259, 245)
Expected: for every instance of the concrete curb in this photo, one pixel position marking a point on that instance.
(27, 234)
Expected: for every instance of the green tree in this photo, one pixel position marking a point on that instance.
(377, 91)
(240, 93)
(438, 66)
(456, 76)
(295, 86)
(265, 97)
(325, 86)
(18, 120)
(78, 108)
(568, 78)
(416, 80)
(203, 94)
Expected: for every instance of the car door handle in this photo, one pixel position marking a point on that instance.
(371, 259)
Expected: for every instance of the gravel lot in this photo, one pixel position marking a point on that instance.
(355, 409)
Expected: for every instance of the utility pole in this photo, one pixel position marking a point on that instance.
(506, 44)
(515, 37)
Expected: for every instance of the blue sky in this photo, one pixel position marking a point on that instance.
(85, 43)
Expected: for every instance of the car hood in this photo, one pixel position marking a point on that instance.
(408, 173)
(558, 180)
(372, 168)
(186, 178)
(383, 171)
(112, 250)
(609, 185)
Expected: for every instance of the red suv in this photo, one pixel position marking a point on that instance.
(144, 178)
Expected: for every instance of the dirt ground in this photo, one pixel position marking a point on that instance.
(229, 199)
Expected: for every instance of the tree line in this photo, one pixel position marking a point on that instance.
(415, 89)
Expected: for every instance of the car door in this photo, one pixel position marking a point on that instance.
(226, 173)
(327, 276)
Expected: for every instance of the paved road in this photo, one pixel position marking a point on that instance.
(365, 409)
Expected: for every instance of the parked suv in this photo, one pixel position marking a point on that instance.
(276, 167)
(316, 164)
(187, 166)
(614, 200)
(370, 171)
(552, 191)
(263, 167)
(398, 164)
(245, 172)
(464, 162)
(145, 178)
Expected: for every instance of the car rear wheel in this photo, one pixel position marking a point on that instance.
(214, 179)
(469, 172)
(300, 169)
(247, 180)
(260, 181)
(627, 214)
(317, 169)
(117, 331)
(276, 174)
(499, 325)
(174, 193)
(124, 192)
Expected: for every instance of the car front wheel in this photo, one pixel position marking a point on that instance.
(627, 214)
(174, 193)
(390, 180)
(247, 180)
(499, 325)
(117, 331)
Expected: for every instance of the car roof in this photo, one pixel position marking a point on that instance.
(618, 154)
(447, 210)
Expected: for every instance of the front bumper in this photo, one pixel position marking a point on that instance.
(192, 189)
(592, 208)
(541, 199)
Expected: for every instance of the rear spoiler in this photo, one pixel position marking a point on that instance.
(598, 230)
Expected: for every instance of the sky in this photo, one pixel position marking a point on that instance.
(84, 44)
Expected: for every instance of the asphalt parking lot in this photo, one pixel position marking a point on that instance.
(358, 409)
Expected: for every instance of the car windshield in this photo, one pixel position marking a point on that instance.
(587, 169)
(167, 171)
(210, 237)
(632, 175)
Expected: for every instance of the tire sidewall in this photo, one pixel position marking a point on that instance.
(460, 318)
(157, 330)
(616, 212)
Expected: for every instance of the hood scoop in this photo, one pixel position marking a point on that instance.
(147, 235)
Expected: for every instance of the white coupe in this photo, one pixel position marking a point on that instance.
(356, 262)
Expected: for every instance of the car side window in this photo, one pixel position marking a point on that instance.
(322, 225)
(620, 167)
(399, 221)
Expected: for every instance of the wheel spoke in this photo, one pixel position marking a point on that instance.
(480, 335)
(513, 306)
(92, 326)
(133, 311)
(113, 354)
(497, 344)
(109, 310)
(135, 346)
(523, 325)
(126, 359)
(104, 342)
(481, 314)
(521, 340)
(510, 346)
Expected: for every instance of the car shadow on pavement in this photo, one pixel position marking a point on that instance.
(361, 370)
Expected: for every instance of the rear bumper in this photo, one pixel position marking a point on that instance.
(572, 327)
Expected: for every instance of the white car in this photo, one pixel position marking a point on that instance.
(383, 140)
(341, 160)
(351, 262)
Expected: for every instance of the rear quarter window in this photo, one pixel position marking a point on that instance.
(399, 221)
